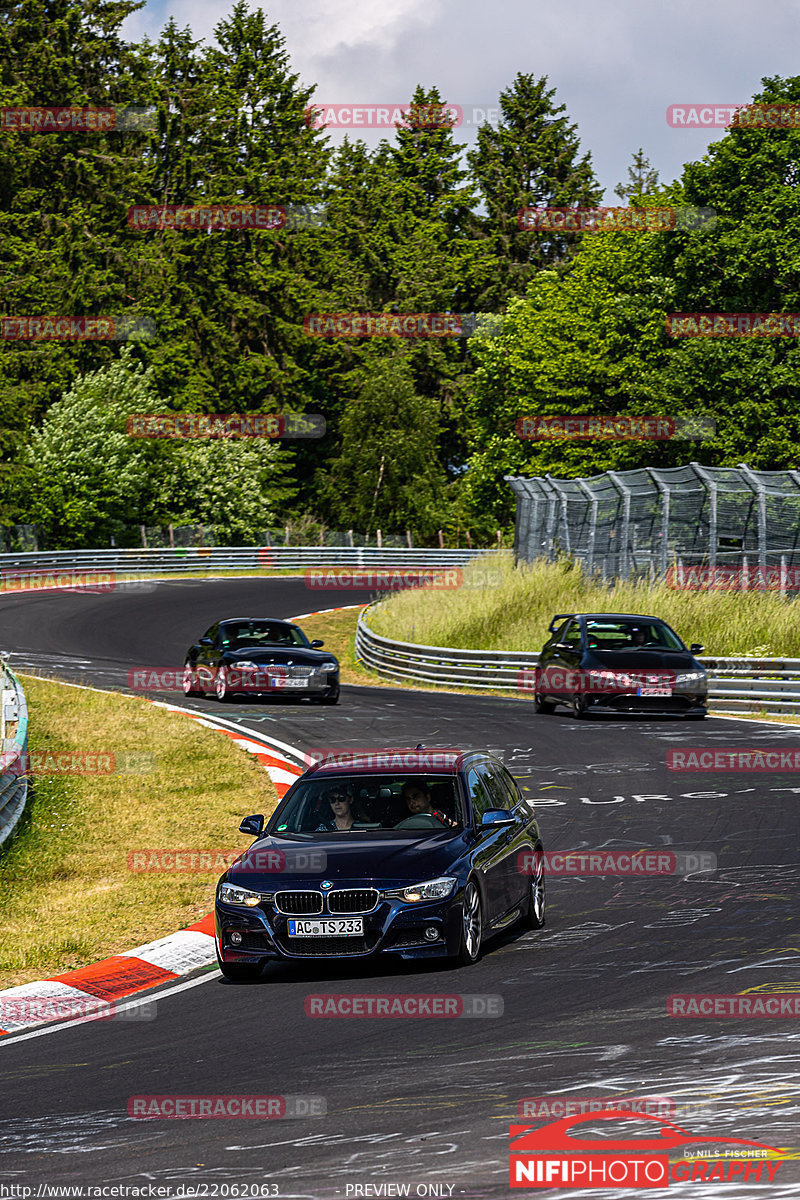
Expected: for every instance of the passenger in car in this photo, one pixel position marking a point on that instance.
(341, 817)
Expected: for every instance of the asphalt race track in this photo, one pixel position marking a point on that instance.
(429, 1102)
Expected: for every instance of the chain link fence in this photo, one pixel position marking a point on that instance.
(731, 525)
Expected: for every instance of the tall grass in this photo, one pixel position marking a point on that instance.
(502, 607)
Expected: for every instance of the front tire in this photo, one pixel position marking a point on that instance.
(536, 913)
(222, 689)
(471, 926)
(333, 698)
(190, 687)
(543, 706)
(579, 707)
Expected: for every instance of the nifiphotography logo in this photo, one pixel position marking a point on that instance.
(554, 1156)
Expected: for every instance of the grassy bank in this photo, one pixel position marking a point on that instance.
(500, 607)
(67, 895)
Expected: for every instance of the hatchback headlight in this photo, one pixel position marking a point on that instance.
(691, 677)
(432, 889)
(229, 893)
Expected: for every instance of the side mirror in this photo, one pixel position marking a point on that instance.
(317, 642)
(497, 818)
(206, 641)
(696, 648)
(253, 824)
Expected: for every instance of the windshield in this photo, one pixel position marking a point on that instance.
(235, 634)
(347, 804)
(630, 635)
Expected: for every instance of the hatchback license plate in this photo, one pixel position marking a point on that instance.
(327, 927)
(654, 691)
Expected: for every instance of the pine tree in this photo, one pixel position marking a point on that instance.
(642, 178)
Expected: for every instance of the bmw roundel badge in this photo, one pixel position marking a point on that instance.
(326, 885)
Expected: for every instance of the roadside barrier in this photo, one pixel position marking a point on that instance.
(737, 684)
(226, 558)
(14, 744)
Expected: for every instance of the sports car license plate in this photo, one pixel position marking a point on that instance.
(327, 927)
(654, 691)
(285, 682)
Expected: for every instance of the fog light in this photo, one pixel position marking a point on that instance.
(236, 939)
(431, 933)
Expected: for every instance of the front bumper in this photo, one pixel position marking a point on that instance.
(393, 927)
(679, 703)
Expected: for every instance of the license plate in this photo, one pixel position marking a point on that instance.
(327, 927)
(654, 691)
(285, 682)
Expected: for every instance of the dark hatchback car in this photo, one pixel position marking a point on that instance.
(260, 656)
(413, 853)
(619, 662)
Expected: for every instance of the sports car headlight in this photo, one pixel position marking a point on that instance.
(245, 665)
(329, 666)
(691, 677)
(432, 889)
(229, 893)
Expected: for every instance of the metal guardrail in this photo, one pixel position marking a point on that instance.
(226, 558)
(735, 684)
(14, 778)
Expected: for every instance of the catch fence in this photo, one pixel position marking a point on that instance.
(742, 525)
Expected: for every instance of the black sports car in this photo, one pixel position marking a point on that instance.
(417, 853)
(257, 656)
(619, 662)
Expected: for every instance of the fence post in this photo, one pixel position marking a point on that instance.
(783, 575)
(286, 535)
(380, 539)
(745, 584)
(171, 538)
(466, 532)
(761, 493)
(710, 484)
(624, 560)
(592, 522)
(350, 535)
(441, 540)
(143, 532)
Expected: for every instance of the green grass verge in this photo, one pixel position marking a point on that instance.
(503, 607)
(67, 895)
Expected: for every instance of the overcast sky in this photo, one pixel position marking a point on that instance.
(616, 64)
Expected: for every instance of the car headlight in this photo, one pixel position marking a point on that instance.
(245, 666)
(229, 893)
(329, 666)
(432, 889)
(691, 677)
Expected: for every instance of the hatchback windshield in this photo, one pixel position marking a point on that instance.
(630, 635)
(235, 634)
(348, 804)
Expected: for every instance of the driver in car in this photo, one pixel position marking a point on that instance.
(418, 799)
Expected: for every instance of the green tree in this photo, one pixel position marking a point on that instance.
(642, 178)
(386, 475)
(532, 159)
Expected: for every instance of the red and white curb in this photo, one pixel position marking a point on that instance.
(88, 989)
(95, 988)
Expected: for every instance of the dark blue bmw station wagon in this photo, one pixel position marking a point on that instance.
(418, 853)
